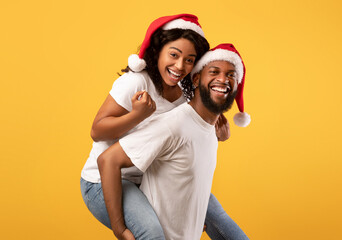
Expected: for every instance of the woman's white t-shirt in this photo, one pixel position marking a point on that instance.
(122, 91)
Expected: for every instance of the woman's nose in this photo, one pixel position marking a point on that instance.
(180, 64)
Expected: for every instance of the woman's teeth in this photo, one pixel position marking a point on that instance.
(174, 74)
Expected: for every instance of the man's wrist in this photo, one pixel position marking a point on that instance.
(119, 227)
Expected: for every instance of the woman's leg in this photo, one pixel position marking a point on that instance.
(93, 198)
(139, 215)
(219, 225)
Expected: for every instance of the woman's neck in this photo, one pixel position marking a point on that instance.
(171, 93)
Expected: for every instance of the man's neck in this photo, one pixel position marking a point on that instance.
(201, 110)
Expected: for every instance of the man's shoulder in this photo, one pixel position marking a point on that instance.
(175, 115)
(177, 121)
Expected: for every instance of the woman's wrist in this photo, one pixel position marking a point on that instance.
(136, 116)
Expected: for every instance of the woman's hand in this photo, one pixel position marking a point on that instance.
(112, 120)
(222, 128)
(143, 105)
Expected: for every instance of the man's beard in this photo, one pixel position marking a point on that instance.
(211, 105)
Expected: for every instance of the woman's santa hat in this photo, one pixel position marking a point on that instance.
(183, 21)
(227, 52)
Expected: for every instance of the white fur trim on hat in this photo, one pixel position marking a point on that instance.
(135, 63)
(182, 24)
(242, 119)
(218, 55)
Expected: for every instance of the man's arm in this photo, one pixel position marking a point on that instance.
(110, 163)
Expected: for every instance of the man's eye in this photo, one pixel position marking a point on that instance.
(213, 72)
(231, 75)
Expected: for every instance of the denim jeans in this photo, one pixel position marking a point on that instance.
(219, 225)
(143, 222)
(139, 215)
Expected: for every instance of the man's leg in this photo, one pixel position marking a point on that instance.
(219, 225)
(139, 215)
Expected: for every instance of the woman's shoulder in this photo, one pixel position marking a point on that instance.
(130, 83)
(134, 78)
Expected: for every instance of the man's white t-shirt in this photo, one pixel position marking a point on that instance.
(122, 91)
(177, 153)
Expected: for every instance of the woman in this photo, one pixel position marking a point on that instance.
(149, 87)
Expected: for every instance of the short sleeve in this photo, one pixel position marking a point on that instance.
(147, 144)
(126, 86)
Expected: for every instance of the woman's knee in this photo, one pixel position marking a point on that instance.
(150, 232)
(154, 232)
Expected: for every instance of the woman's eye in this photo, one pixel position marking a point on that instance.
(190, 61)
(173, 54)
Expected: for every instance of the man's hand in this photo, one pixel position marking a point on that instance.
(126, 235)
(222, 128)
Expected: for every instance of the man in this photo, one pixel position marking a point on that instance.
(177, 151)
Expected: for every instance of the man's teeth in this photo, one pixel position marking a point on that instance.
(174, 73)
(220, 89)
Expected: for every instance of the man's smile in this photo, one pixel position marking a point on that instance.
(220, 88)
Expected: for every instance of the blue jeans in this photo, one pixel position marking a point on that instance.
(143, 222)
(219, 225)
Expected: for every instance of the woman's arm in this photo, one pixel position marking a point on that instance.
(110, 163)
(112, 120)
(222, 128)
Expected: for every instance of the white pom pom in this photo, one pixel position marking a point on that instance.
(242, 119)
(135, 63)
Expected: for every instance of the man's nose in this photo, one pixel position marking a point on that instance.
(222, 78)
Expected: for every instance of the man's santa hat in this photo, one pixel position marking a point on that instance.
(227, 52)
(183, 21)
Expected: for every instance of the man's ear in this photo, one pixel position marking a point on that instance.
(195, 80)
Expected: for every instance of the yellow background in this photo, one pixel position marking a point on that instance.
(280, 178)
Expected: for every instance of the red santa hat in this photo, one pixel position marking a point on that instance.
(183, 21)
(227, 52)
